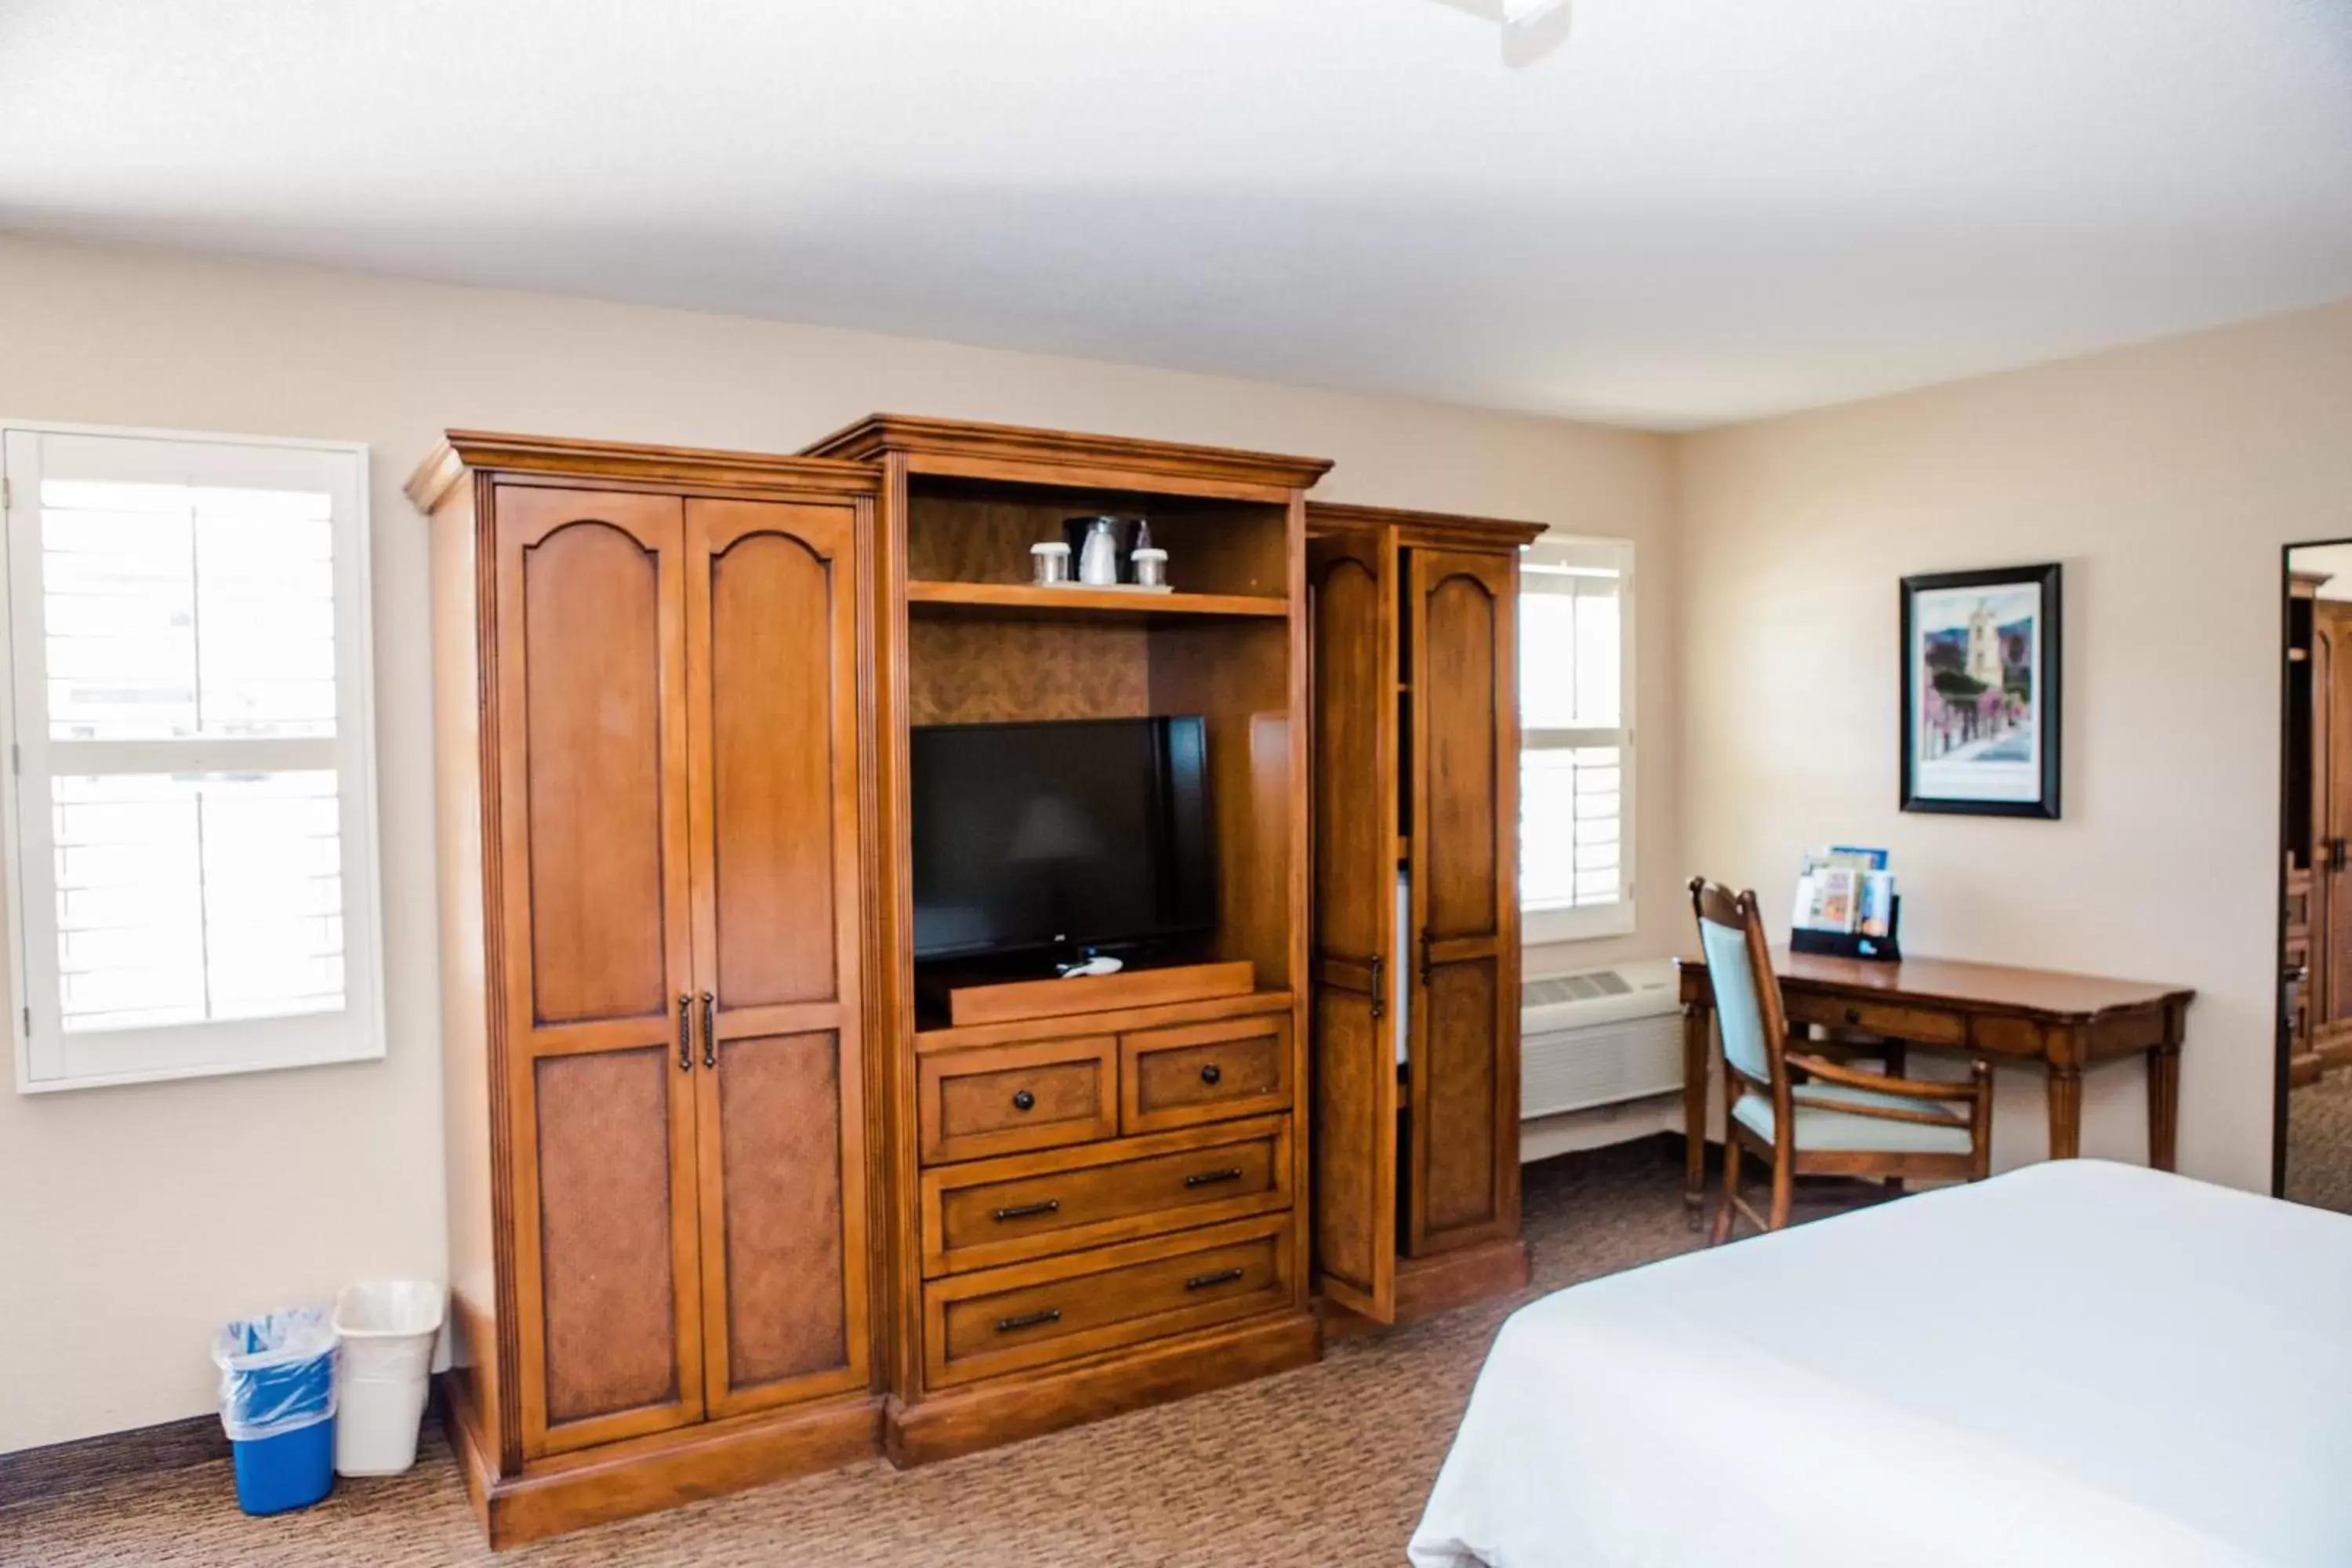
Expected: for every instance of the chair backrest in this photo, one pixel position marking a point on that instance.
(1747, 1009)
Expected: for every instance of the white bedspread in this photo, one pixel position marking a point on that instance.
(2077, 1364)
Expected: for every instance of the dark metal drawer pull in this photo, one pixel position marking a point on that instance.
(1211, 1073)
(1028, 1320)
(1210, 1178)
(1030, 1211)
(1221, 1277)
(1023, 1100)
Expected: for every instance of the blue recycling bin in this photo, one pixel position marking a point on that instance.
(278, 1406)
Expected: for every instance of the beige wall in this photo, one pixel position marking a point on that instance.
(2165, 477)
(131, 1220)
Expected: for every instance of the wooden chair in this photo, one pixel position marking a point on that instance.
(1807, 1116)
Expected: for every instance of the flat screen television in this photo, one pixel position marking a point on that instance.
(1077, 835)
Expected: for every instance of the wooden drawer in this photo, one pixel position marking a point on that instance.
(1010, 1098)
(1030, 1205)
(1008, 1320)
(1204, 1072)
(1921, 1025)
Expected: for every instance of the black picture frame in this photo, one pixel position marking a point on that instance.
(1961, 719)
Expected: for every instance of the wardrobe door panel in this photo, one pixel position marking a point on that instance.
(772, 650)
(1461, 1121)
(780, 1148)
(1462, 1180)
(1459, 725)
(593, 689)
(592, 731)
(773, 768)
(1354, 1081)
(606, 1224)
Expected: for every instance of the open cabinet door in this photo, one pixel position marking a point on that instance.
(1462, 1182)
(1352, 577)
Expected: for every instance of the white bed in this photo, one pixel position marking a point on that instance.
(2076, 1364)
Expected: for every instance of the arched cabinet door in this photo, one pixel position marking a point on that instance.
(772, 640)
(595, 950)
(1353, 580)
(1461, 615)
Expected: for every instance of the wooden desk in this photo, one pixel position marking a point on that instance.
(2066, 1022)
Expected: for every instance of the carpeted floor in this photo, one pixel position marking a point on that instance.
(1328, 1465)
(2319, 1143)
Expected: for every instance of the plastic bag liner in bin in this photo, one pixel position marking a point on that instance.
(277, 1405)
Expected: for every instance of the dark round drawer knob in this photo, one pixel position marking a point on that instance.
(1854, 1014)
(1211, 1073)
(1023, 1100)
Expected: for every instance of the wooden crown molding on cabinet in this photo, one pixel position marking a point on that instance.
(573, 462)
(970, 450)
(1423, 527)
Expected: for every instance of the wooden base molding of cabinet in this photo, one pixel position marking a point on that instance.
(985, 1415)
(647, 1475)
(1428, 1286)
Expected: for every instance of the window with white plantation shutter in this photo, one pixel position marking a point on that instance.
(1576, 757)
(191, 811)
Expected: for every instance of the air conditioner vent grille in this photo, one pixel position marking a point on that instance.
(1599, 1037)
(1558, 988)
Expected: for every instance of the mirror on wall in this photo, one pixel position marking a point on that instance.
(2315, 879)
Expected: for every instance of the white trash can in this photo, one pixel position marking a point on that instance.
(388, 1327)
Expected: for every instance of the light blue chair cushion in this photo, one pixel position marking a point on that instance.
(1820, 1128)
(1739, 1014)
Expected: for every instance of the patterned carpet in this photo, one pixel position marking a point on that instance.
(1328, 1465)
(2319, 1143)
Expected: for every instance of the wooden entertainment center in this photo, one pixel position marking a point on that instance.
(733, 1198)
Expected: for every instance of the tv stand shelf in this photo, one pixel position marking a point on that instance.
(1026, 601)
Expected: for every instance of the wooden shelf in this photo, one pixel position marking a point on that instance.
(1028, 601)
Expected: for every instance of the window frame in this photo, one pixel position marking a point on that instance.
(1539, 926)
(48, 1058)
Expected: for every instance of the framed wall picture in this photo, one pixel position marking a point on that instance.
(1981, 688)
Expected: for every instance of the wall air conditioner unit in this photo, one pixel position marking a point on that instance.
(1599, 1037)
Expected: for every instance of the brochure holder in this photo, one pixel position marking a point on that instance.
(1853, 943)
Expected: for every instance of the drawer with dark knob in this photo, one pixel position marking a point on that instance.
(1920, 1026)
(1001, 1211)
(1006, 1099)
(1194, 1073)
(1007, 1320)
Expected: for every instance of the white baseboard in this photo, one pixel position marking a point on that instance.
(1570, 1130)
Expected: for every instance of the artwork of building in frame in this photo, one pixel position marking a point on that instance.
(1980, 688)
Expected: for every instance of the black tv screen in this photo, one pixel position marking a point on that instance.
(1085, 833)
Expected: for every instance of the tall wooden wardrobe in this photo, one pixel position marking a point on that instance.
(1416, 1010)
(654, 818)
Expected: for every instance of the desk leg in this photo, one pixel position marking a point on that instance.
(2065, 1111)
(1694, 1064)
(2163, 1104)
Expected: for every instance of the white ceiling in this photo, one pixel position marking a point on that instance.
(1684, 212)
